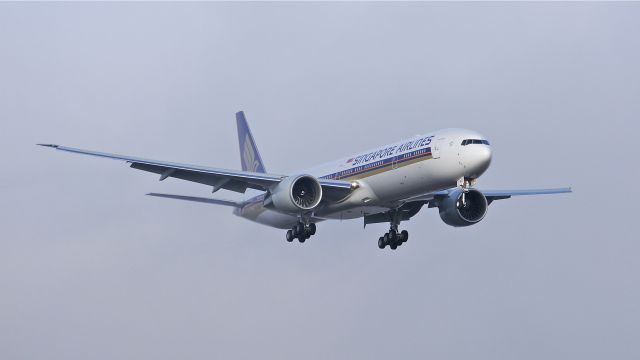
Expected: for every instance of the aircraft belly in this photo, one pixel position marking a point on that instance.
(258, 213)
(276, 219)
(354, 212)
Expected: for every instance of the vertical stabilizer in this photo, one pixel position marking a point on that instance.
(249, 155)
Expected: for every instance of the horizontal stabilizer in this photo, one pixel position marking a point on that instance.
(199, 199)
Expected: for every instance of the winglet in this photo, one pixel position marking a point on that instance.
(49, 145)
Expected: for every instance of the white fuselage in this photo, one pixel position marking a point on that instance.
(388, 175)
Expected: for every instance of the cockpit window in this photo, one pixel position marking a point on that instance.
(466, 142)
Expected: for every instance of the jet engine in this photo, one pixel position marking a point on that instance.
(295, 194)
(463, 209)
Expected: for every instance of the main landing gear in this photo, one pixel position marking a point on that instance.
(393, 238)
(301, 232)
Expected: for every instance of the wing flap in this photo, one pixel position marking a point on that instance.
(218, 182)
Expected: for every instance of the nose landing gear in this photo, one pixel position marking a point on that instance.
(465, 184)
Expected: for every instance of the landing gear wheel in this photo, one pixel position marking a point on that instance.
(298, 230)
(393, 246)
(405, 235)
(290, 236)
(393, 235)
(312, 229)
(302, 238)
(381, 243)
(386, 239)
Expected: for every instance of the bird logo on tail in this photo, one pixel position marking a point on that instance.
(249, 155)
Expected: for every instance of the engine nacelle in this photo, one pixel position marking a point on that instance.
(295, 194)
(455, 212)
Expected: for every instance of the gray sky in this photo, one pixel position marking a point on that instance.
(91, 268)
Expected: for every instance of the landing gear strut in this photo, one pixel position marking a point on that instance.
(301, 232)
(465, 184)
(393, 238)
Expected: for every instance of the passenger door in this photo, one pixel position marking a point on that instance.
(436, 147)
(394, 162)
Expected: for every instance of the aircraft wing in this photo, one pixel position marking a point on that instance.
(506, 194)
(412, 206)
(493, 194)
(234, 180)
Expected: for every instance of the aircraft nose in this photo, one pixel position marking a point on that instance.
(486, 156)
(480, 160)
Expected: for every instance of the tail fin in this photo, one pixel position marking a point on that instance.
(249, 155)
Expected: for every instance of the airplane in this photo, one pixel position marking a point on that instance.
(388, 184)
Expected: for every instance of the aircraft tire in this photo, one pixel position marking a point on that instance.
(381, 243)
(312, 229)
(393, 235)
(405, 235)
(290, 236)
